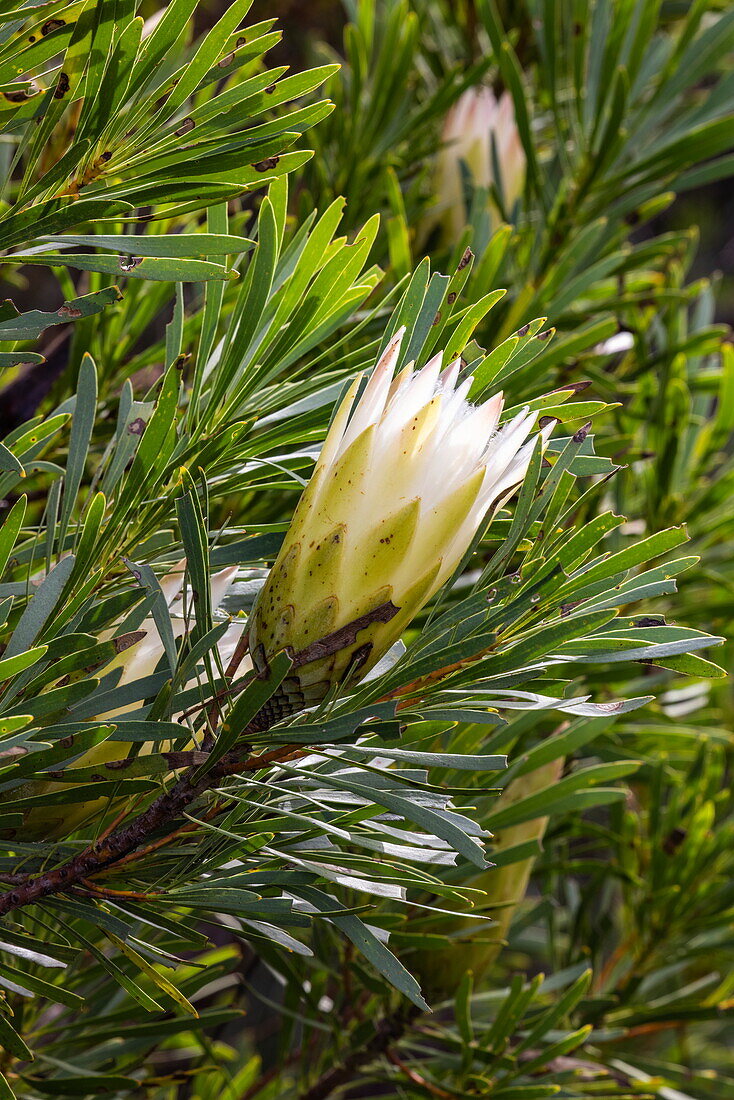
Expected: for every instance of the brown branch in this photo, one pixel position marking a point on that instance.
(116, 846)
(112, 848)
(154, 845)
(416, 1078)
(254, 763)
(123, 842)
(116, 822)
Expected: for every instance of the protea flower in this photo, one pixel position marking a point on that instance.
(406, 475)
(473, 123)
(473, 945)
(142, 659)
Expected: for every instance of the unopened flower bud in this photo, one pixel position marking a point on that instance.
(476, 120)
(406, 476)
(137, 662)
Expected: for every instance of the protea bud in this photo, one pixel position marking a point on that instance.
(136, 661)
(405, 478)
(474, 123)
(474, 946)
(142, 659)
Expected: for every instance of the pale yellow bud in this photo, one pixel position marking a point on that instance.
(405, 477)
(137, 662)
(476, 120)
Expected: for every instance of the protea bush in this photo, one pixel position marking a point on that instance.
(365, 488)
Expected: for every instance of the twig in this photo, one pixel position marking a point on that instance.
(124, 841)
(416, 1077)
(115, 824)
(106, 892)
(253, 764)
(154, 845)
(114, 847)
(387, 1031)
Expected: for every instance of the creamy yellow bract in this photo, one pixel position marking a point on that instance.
(406, 475)
(476, 121)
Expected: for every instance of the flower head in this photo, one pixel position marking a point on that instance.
(407, 473)
(142, 659)
(476, 120)
(136, 661)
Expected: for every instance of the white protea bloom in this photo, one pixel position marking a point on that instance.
(476, 120)
(405, 478)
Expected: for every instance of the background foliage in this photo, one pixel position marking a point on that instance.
(201, 246)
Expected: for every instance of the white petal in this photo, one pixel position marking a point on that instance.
(410, 398)
(450, 375)
(172, 582)
(372, 402)
(221, 583)
(455, 407)
(509, 438)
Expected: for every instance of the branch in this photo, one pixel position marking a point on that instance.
(416, 1078)
(387, 1031)
(116, 845)
(112, 849)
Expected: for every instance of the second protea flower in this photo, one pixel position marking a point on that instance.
(476, 122)
(405, 477)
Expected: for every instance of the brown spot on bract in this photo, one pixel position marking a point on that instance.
(451, 298)
(18, 97)
(186, 127)
(226, 60)
(673, 840)
(524, 330)
(572, 387)
(52, 25)
(124, 641)
(465, 259)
